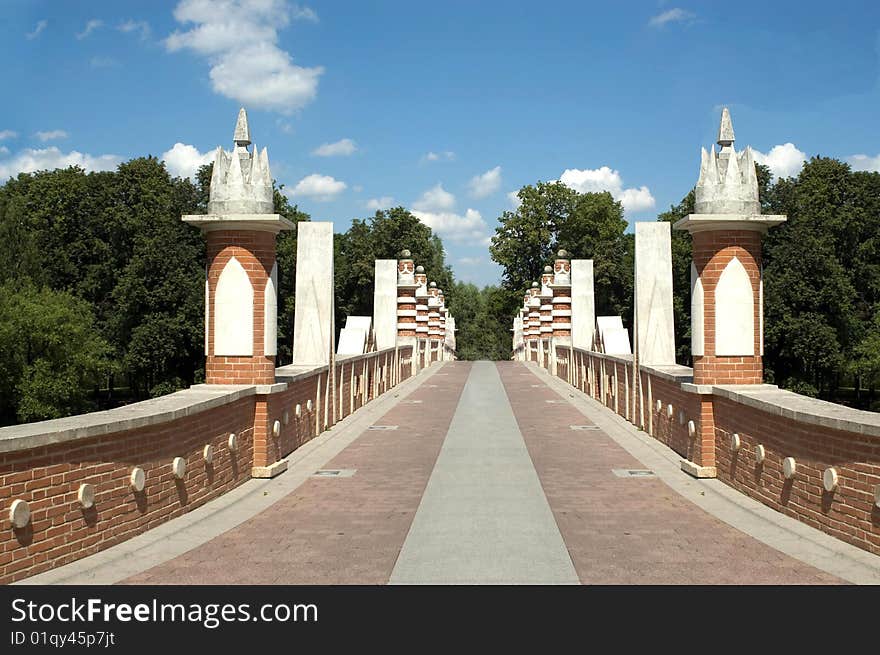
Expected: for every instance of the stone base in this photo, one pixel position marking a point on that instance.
(269, 471)
(698, 471)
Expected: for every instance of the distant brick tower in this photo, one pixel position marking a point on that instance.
(727, 314)
(242, 276)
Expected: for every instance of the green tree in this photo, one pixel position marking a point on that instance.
(51, 355)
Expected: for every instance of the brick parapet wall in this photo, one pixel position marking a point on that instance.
(849, 513)
(48, 475)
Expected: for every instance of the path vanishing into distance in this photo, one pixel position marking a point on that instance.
(478, 473)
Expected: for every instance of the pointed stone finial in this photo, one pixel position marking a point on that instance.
(725, 129)
(242, 136)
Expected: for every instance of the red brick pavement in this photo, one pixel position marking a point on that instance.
(335, 530)
(631, 531)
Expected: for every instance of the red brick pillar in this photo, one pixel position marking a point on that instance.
(254, 252)
(422, 315)
(406, 300)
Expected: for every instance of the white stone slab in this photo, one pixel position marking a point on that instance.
(385, 303)
(583, 308)
(734, 312)
(270, 314)
(697, 346)
(313, 318)
(352, 341)
(234, 312)
(616, 341)
(653, 293)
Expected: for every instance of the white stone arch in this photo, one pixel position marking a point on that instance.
(270, 314)
(697, 303)
(234, 312)
(734, 312)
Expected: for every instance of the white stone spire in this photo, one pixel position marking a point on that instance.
(728, 182)
(242, 134)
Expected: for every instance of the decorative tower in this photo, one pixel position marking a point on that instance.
(535, 321)
(546, 343)
(561, 287)
(406, 300)
(242, 276)
(422, 315)
(434, 334)
(727, 316)
(442, 327)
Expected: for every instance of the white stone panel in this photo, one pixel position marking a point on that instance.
(270, 314)
(616, 341)
(313, 317)
(697, 303)
(653, 293)
(583, 308)
(207, 311)
(734, 312)
(352, 341)
(234, 312)
(385, 303)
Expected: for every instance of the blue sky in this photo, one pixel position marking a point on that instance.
(443, 107)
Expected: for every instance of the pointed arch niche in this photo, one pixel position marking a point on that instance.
(233, 312)
(734, 312)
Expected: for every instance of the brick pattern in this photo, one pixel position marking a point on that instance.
(255, 251)
(49, 477)
(712, 251)
(849, 513)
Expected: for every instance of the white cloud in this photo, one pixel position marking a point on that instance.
(304, 13)
(343, 148)
(470, 261)
(51, 134)
(513, 199)
(7, 134)
(183, 160)
(784, 160)
(446, 155)
(39, 27)
(485, 184)
(131, 25)
(596, 180)
(90, 27)
(455, 227)
(4, 150)
(239, 38)
(435, 199)
(674, 15)
(30, 160)
(318, 187)
(380, 203)
(864, 163)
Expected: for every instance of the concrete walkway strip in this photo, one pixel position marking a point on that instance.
(484, 518)
(180, 535)
(779, 531)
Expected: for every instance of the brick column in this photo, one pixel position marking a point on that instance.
(561, 287)
(434, 335)
(406, 300)
(422, 314)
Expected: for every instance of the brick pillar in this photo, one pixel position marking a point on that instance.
(254, 252)
(561, 287)
(534, 339)
(434, 335)
(441, 328)
(422, 314)
(406, 300)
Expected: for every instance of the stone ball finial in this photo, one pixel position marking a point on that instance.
(406, 254)
(562, 254)
(433, 285)
(420, 269)
(535, 285)
(548, 269)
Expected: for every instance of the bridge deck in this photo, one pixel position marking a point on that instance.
(482, 481)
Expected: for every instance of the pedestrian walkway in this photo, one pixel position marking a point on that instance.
(483, 473)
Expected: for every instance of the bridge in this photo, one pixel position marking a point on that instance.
(588, 458)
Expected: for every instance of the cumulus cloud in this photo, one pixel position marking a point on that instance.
(446, 155)
(30, 160)
(90, 27)
(784, 160)
(318, 187)
(184, 160)
(864, 163)
(470, 261)
(239, 38)
(380, 203)
(455, 227)
(342, 148)
(596, 180)
(485, 184)
(435, 199)
(513, 199)
(304, 13)
(674, 15)
(135, 26)
(50, 135)
(7, 134)
(38, 28)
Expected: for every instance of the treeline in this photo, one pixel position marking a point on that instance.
(102, 284)
(821, 270)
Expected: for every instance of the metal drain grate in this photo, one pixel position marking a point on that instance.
(633, 473)
(334, 473)
(382, 427)
(584, 427)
